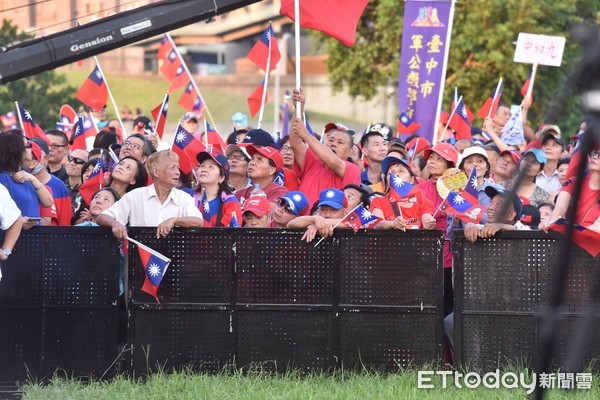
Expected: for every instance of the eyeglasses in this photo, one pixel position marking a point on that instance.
(595, 153)
(134, 146)
(76, 160)
(237, 158)
(58, 146)
(287, 149)
(283, 204)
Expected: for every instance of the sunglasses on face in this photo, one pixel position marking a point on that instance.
(283, 204)
(76, 160)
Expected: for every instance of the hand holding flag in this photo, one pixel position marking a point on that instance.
(360, 217)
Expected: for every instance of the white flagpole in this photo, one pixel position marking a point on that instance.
(297, 44)
(444, 67)
(340, 221)
(451, 115)
(264, 93)
(156, 253)
(532, 80)
(495, 95)
(206, 133)
(112, 99)
(212, 121)
(20, 119)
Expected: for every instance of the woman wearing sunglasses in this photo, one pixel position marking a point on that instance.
(75, 162)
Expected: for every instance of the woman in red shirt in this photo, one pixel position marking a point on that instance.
(409, 209)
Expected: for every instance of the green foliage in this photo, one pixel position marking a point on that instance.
(42, 94)
(482, 50)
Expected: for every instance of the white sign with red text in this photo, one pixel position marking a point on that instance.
(539, 49)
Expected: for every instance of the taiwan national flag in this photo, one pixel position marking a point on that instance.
(336, 18)
(406, 125)
(171, 65)
(470, 115)
(525, 87)
(399, 188)
(30, 128)
(587, 239)
(187, 148)
(260, 52)
(190, 100)
(93, 183)
(360, 218)
(165, 47)
(471, 193)
(214, 139)
(460, 121)
(455, 204)
(155, 266)
(94, 92)
(255, 99)
(84, 128)
(491, 104)
(159, 113)
(180, 79)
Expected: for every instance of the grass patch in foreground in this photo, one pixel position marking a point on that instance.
(259, 386)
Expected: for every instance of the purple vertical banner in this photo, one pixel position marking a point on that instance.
(423, 59)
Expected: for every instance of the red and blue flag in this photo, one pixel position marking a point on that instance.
(455, 204)
(187, 148)
(155, 267)
(360, 218)
(30, 128)
(9, 120)
(583, 237)
(259, 53)
(159, 113)
(399, 188)
(94, 92)
(406, 125)
(84, 128)
(93, 183)
(491, 104)
(460, 121)
(255, 99)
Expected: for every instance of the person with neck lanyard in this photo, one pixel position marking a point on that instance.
(213, 195)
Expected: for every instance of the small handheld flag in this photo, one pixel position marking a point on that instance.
(259, 54)
(187, 148)
(406, 125)
(94, 92)
(159, 113)
(360, 217)
(155, 267)
(30, 128)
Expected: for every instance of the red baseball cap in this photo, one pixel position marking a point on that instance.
(515, 154)
(444, 150)
(257, 205)
(268, 152)
(417, 144)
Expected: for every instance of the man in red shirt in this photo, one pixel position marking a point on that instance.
(322, 165)
(266, 162)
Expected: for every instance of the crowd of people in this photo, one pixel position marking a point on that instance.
(302, 181)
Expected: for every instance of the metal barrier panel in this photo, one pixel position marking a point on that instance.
(391, 297)
(58, 303)
(283, 303)
(501, 285)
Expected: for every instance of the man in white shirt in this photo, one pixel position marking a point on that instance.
(160, 204)
(10, 221)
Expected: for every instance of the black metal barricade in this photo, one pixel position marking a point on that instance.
(264, 298)
(58, 304)
(501, 284)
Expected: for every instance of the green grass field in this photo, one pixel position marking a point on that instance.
(260, 386)
(147, 91)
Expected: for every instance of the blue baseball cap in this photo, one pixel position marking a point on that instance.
(540, 156)
(391, 160)
(259, 137)
(333, 198)
(296, 201)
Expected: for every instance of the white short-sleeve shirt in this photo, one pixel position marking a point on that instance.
(141, 207)
(9, 212)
